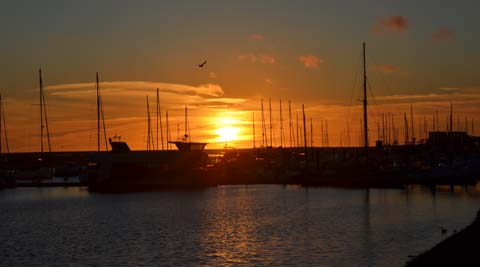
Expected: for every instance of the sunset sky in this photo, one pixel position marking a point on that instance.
(423, 53)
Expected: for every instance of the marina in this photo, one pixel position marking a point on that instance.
(239, 133)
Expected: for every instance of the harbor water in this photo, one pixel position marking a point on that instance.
(229, 225)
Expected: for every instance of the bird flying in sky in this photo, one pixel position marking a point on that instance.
(203, 64)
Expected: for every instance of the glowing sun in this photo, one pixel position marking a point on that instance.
(227, 133)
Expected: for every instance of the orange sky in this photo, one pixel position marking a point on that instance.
(421, 53)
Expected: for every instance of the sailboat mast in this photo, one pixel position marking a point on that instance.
(186, 124)
(412, 123)
(348, 134)
(451, 117)
(98, 114)
(148, 126)
(1, 118)
(5, 125)
(297, 141)
(157, 113)
(311, 132)
(304, 130)
(365, 119)
(271, 126)
(253, 129)
(407, 139)
(41, 109)
(264, 138)
(290, 122)
(168, 130)
(281, 124)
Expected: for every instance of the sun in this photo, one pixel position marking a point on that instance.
(227, 134)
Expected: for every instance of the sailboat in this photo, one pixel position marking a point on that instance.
(124, 170)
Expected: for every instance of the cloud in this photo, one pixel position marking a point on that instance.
(443, 35)
(449, 89)
(310, 61)
(387, 68)
(212, 90)
(266, 59)
(394, 24)
(460, 96)
(253, 58)
(256, 37)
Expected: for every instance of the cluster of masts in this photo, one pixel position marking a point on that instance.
(387, 131)
(299, 134)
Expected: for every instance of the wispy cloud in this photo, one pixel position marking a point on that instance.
(387, 68)
(256, 37)
(260, 58)
(443, 35)
(449, 89)
(75, 88)
(310, 61)
(394, 24)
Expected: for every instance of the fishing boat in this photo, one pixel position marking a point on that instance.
(123, 170)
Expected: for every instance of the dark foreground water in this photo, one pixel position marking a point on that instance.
(231, 225)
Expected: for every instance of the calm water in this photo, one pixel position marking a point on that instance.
(231, 225)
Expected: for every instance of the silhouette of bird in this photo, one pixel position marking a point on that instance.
(203, 64)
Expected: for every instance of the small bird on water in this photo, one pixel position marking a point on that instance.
(443, 230)
(203, 64)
